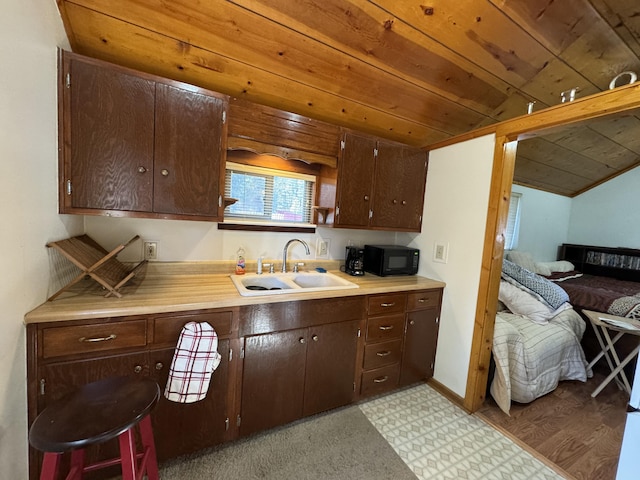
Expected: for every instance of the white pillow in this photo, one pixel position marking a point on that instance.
(542, 269)
(523, 303)
(562, 266)
(524, 259)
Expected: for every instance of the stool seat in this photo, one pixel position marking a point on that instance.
(98, 412)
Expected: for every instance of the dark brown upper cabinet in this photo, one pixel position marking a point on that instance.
(378, 185)
(138, 145)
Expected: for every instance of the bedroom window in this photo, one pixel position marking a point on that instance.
(266, 195)
(513, 222)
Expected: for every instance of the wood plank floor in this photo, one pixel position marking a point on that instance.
(580, 434)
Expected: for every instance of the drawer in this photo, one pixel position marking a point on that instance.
(385, 328)
(381, 354)
(97, 337)
(380, 380)
(425, 299)
(387, 304)
(167, 329)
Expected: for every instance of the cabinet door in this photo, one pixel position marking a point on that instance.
(189, 166)
(273, 380)
(181, 428)
(420, 343)
(331, 365)
(355, 180)
(109, 149)
(400, 178)
(59, 379)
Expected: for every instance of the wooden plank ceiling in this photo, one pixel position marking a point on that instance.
(412, 71)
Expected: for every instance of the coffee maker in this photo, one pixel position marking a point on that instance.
(354, 261)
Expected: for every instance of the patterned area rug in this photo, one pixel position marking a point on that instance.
(439, 440)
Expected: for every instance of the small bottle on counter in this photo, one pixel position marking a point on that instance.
(240, 263)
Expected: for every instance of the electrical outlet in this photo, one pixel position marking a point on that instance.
(150, 250)
(440, 252)
(322, 248)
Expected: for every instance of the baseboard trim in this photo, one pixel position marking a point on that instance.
(449, 394)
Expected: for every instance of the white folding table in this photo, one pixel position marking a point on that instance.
(602, 324)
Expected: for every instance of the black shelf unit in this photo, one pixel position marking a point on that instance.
(615, 262)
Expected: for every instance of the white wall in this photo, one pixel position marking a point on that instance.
(608, 215)
(455, 214)
(29, 33)
(199, 241)
(544, 222)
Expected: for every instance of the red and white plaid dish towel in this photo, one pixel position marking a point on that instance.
(195, 359)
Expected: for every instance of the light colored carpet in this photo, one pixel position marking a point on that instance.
(338, 445)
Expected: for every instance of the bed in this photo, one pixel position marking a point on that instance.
(536, 341)
(531, 358)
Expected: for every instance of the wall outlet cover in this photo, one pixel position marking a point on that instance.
(322, 247)
(150, 250)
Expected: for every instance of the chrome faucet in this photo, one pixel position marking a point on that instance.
(284, 252)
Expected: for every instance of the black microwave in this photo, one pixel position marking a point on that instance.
(384, 260)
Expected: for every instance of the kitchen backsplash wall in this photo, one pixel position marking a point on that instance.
(201, 241)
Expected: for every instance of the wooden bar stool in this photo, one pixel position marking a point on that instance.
(98, 412)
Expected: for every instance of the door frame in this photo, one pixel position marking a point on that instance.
(508, 133)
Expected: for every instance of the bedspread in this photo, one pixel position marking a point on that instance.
(604, 294)
(531, 358)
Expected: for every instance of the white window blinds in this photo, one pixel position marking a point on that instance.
(268, 195)
(513, 222)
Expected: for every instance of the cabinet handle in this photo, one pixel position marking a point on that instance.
(384, 354)
(159, 366)
(381, 379)
(301, 340)
(422, 300)
(388, 304)
(395, 201)
(385, 327)
(164, 172)
(412, 322)
(366, 198)
(141, 169)
(404, 202)
(137, 368)
(97, 339)
(314, 338)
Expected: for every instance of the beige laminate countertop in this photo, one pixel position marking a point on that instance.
(174, 290)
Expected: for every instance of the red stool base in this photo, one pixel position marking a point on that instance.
(134, 464)
(96, 413)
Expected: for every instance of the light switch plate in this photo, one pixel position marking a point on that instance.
(441, 252)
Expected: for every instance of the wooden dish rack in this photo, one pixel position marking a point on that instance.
(96, 262)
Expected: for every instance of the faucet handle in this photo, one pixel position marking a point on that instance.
(270, 265)
(296, 265)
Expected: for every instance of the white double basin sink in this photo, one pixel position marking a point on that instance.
(252, 284)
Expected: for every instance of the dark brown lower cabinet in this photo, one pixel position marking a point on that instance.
(181, 428)
(419, 346)
(272, 380)
(299, 358)
(295, 373)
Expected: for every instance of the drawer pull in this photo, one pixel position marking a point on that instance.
(159, 366)
(314, 338)
(422, 300)
(383, 354)
(302, 340)
(137, 368)
(388, 304)
(381, 379)
(385, 327)
(97, 339)
(412, 322)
